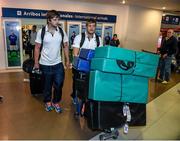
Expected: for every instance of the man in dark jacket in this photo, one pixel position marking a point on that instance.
(167, 50)
(115, 41)
(107, 39)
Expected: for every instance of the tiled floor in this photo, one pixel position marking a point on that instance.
(22, 116)
(163, 119)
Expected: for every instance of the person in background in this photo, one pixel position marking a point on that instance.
(32, 38)
(107, 39)
(167, 50)
(160, 38)
(73, 37)
(178, 56)
(90, 42)
(115, 41)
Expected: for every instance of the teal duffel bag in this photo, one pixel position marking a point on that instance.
(117, 88)
(123, 67)
(124, 61)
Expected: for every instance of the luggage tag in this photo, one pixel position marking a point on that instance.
(124, 110)
(128, 113)
(126, 128)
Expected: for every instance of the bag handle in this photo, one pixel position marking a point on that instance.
(125, 66)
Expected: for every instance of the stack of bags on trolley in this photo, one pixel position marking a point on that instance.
(116, 81)
(81, 70)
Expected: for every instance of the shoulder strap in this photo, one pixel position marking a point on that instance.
(42, 36)
(62, 34)
(97, 40)
(82, 39)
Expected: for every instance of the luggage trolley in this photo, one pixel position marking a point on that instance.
(113, 133)
(108, 117)
(118, 76)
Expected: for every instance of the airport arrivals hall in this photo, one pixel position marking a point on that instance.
(90, 70)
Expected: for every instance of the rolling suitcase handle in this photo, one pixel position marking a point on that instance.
(125, 66)
(37, 71)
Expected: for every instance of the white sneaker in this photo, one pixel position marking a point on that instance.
(164, 82)
(26, 80)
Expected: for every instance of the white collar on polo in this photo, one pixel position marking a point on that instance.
(57, 29)
(94, 35)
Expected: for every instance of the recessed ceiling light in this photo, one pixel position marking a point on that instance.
(123, 2)
(163, 14)
(163, 8)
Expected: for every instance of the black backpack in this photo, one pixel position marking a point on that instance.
(83, 39)
(28, 65)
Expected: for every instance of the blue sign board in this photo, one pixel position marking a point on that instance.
(41, 14)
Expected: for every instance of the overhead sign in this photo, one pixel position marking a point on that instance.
(41, 14)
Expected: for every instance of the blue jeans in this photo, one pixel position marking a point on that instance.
(53, 77)
(165, 68)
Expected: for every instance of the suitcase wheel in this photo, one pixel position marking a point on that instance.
(109, 135)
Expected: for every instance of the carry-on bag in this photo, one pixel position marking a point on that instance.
(86, 54)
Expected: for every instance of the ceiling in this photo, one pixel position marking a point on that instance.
(171, 5)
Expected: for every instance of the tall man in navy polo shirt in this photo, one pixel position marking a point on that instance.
(50, 61)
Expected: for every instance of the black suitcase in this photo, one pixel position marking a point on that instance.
(36, 83)
(81, 82)
(105, 115)
(138, 114)
(81, 87)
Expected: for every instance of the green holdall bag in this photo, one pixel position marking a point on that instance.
(121, 75)
(117, 88)
(124, 61)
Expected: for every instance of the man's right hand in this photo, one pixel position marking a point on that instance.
(36, 65)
